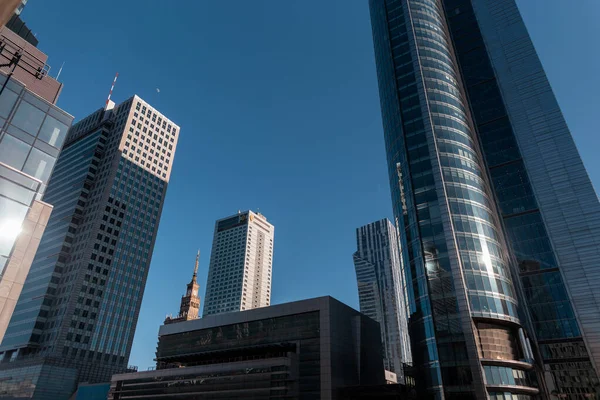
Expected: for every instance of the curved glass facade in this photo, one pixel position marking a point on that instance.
(505, 376)
(467, 192)
(559, 336)
(461, 297)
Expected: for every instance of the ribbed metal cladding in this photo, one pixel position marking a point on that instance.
(450, 232)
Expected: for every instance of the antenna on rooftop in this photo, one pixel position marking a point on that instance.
(111, 90)
(60, 70)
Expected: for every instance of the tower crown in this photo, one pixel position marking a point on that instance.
(190, 302)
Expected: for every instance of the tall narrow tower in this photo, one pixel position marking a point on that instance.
(239, 276)
(381, 292)
(190, 303)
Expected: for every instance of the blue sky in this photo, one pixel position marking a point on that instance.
(279, 112)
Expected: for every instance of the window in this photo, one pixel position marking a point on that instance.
(39, 164)
(53, 132)
(28, 118)
(16, 192)
(13, 151)
(7, 101)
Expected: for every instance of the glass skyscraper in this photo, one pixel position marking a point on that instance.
(493, 204)
(76, 316)
(381, 292)
(32, 133)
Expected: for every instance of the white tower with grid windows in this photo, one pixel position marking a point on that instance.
(241, 262)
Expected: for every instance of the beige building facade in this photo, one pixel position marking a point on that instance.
(241, 264)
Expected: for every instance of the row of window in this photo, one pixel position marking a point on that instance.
(155, 128)
(145, 159)
(508, 396)
(495, 375)
(494, 305)
(142, 194)
(148, 113)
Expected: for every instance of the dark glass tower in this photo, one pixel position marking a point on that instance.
(76, 316)
(487, 186)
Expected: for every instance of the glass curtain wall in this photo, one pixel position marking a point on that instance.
(462, 300)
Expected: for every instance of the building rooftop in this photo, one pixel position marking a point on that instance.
(277, 310)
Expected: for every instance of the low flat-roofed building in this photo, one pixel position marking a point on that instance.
(301, 350)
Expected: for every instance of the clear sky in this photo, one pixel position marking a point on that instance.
(279, 112)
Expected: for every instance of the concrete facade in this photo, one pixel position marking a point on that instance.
(7, 9)
(241, 264)
(32, 68)
(21, 259)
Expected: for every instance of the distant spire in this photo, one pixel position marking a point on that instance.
(197, 261)
(190, 303)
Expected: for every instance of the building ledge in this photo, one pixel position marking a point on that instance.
(507, 363)
(512, 389)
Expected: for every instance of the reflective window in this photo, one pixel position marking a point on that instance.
(18, 178)
(513, 188)
(13, 151)
(16, 192)
(28, 118)
(39, 165)
(498, 142)
(53, 132)
(495, 305)
(508, 396)
(505, 376)
(7, 102)
(550, 308)
(12, 215)
(530, 242)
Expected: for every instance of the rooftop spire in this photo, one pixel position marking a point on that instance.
(190, 303)
(197, 261)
